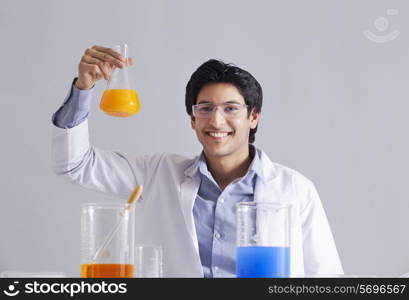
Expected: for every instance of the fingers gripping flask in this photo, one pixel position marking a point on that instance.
(120, 98)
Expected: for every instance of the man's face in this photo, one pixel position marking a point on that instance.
(221, 136)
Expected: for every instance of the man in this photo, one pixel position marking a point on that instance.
(188, 205)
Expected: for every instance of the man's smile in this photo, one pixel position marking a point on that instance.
(218, 135)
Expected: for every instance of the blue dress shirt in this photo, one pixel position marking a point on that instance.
(215, 217)
(75, 108)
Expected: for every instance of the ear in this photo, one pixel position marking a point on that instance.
(192, 121)
(254, 118)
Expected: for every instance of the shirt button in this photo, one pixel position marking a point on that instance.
(221, 200)
(217, 235)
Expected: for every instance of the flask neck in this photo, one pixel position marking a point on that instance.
(123, 50)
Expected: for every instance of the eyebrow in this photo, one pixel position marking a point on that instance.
(226, 102)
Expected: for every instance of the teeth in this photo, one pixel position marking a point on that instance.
(218, 134)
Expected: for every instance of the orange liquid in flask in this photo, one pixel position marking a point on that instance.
(120, 102)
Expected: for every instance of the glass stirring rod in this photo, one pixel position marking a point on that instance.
(131, 201)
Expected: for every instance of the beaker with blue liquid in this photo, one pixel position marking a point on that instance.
(263, 240)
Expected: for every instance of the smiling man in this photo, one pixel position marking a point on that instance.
(222, 124)
(188, 205)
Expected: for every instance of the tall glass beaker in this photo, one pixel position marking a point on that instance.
(148, 261)
(263, 239)
(107, 240)
(120, 98)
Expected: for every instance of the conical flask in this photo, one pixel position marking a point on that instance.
(120, 98)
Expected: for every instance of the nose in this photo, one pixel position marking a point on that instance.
(216, 118)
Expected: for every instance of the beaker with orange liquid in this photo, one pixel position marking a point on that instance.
(116, 260)
(120, 98)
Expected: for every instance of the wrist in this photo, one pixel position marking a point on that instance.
(81, 86)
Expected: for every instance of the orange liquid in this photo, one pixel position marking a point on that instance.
(120, 102)
(107, 271)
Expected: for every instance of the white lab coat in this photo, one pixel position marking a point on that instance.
(164, 212)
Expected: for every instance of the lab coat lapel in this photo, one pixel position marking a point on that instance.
(267, 188)
(188, 190)
(188, 193)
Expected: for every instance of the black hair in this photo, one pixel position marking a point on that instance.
(216, 71)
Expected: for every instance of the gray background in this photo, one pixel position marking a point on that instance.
(335, 106)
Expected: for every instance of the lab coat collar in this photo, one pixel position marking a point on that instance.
(267, 170)
(192, 170)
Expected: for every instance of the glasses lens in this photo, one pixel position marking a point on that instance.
(232, 110)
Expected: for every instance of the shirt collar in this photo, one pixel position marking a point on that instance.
(254, 168)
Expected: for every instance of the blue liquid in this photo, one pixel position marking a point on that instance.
(267, 262)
